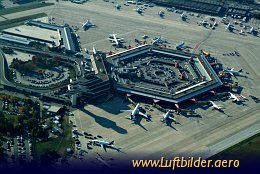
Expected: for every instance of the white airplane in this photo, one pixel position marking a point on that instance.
(251, 29)
(103, 143)
(112, 38)
(115, 40)
(233, 72)
(168, 117)
(87, 25)
(215, 106)
(158, 41)
(236, 98)
(161, 13)
(203, 23)
(135, 112)
(230, 27)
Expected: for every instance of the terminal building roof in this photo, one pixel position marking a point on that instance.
(161, 74)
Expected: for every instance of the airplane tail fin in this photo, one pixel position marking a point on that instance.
(112, 142)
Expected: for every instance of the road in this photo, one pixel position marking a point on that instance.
(4, 81)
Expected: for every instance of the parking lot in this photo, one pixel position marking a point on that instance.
(19, 150)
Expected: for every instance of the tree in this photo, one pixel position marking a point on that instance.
(31, 123)
(22, 109)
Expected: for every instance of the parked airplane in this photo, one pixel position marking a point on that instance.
(230, 27)
(215, 106)
(112, 37)
(203, 23)
(88, 24)
(251, 29)
(167, 117)
(158, 41)
(103, 143)
(236, 98)
(233, 72)
(136, 112)
(161, 13)
(180, 46)
(115, 40)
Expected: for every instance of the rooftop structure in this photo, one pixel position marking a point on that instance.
(161, 74)
(238, 10)
(53, 109)
(16, 39)
(201, 7)
(68, 39)
(90, 86)
(35, 33)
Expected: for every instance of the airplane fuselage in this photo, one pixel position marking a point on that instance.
(136, 110)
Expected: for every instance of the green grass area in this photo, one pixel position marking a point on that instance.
(19, 21)
(242, 150)
(24, 8)
(59, 144)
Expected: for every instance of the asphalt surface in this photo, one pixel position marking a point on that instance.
(204, 136)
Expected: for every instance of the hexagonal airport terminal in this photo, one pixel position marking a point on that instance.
(160, 73)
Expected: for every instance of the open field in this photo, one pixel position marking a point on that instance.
(242, 150)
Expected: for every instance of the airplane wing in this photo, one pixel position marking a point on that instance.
(172, 118)
(126, 110)
(102, 145)
(231, 73)
(142, 114)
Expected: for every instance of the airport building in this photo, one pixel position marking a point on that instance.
(67, 37)
(212, 7)
(14, 39)
(35, 31)
(159, 74)
(89, 87)
(238, 11)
